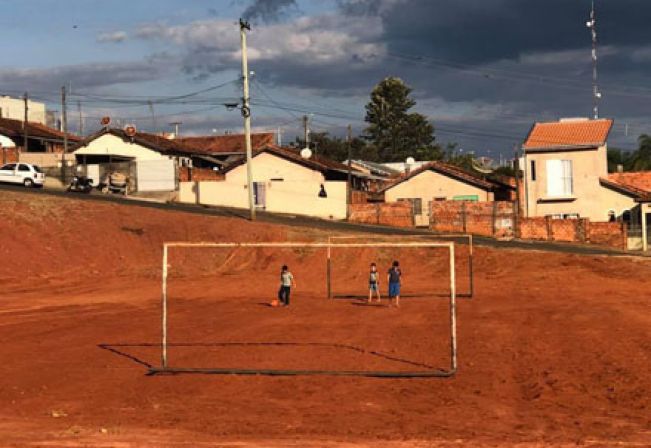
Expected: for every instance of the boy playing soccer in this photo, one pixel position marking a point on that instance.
(374, 283)
(286, 283)
(394, 277)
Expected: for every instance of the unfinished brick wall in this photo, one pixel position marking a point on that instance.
(534, 229)
(187, 174)
(396, 214)
(9, 155)
(479, 218)
(612, 234)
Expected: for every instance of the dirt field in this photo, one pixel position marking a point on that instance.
(554, 349)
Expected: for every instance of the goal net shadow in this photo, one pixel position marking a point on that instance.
(218, 313)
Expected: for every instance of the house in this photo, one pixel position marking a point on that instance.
(43, 143)
(228, 147)
(566, 176)
(283, 182)
(438, 181)
(153, 163)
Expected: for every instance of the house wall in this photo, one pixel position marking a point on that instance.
(428, 185)
(290, 188)
(14, 108)
(110, 144)
(589, 199)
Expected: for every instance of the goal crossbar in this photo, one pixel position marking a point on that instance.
(165, 368)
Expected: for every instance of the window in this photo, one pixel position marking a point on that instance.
(417, 204)
(467, 197)
(439, 199)
(22, 167)
(533, 170)
(9, 167)
(559, 178)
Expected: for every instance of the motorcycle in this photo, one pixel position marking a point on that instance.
(80, 184)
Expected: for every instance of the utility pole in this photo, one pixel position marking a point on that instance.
(246, 113)
(306, 131)
(64, 122)
(349, 198)
(153, 116)
(518, 210)
(25, 130)
(176, 125)
(81, 119)
(596, 94)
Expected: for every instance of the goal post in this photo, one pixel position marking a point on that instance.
(468, 239)
(165, 368)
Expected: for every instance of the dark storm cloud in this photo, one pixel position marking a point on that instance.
(481, 31)
(267, 10)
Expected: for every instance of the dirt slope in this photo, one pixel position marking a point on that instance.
(554, 349)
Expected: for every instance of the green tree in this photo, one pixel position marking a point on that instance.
(393, 130)
(640, 160)
(335, 148)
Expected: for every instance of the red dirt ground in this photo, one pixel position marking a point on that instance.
(554, 350)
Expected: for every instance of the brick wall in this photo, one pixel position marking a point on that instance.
(198, 174)
(534, 229)
(9, 155)
(479, 218)
(611, 234)
(396, 214)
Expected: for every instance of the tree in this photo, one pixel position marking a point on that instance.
(640, 160)
(334, 148)
(393, 131)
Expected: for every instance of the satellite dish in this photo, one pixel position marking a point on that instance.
(483, 165)
(410, 160)
(306, 153)
(130, 130)
(105, 121)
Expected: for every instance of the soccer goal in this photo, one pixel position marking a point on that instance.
(166, 367)
(463, 239)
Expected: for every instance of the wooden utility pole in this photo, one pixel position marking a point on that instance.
(349, 198)
(246, 113)
(64, 123)
(25, 130)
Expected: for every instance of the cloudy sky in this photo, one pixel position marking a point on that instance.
(482, 70)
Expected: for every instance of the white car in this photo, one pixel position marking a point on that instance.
(22, 173)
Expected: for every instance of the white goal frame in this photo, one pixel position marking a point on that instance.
(468, 236)
(166, 368)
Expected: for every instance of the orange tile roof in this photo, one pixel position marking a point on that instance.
(637, 182)
(568, 134)
(231, 143)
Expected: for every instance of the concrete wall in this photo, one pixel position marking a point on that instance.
(589, 199)
(290, 188)
(110, 144)
(429, 185)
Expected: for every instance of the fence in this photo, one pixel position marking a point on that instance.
(611, 234)
(397, 214)
(498, 219)
(495, 219)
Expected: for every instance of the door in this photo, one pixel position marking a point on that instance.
(92, 172)
(7, 173)
(155, 175)
(260, 194)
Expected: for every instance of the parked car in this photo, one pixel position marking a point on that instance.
(22, 173)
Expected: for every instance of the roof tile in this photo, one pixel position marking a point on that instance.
(568, 133)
